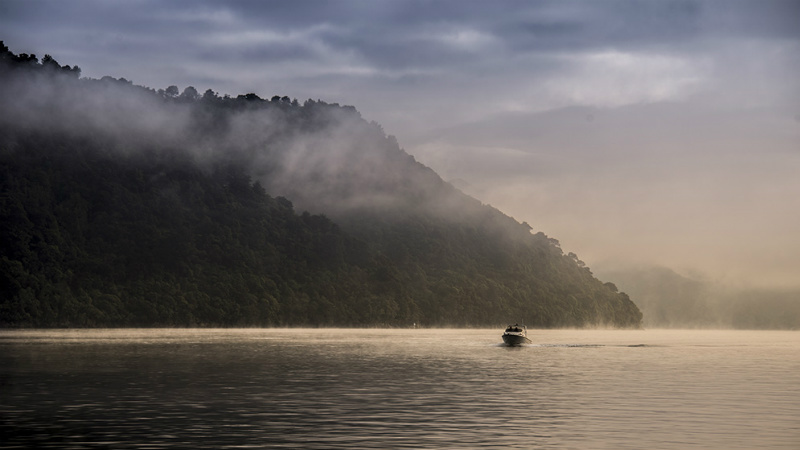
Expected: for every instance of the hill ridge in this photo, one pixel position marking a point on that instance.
(128, 206)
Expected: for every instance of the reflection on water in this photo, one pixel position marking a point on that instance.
(291, 388)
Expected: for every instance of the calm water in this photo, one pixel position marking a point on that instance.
(328, 389)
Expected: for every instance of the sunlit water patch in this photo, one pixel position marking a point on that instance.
(325, 389)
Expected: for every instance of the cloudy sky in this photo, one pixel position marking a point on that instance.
(635, 132)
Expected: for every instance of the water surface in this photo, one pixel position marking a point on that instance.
(328, 389)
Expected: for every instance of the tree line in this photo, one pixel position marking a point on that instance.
(122, 205)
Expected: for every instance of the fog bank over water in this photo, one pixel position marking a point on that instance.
(668, 299)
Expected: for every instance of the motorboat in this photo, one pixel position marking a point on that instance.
(516, 335)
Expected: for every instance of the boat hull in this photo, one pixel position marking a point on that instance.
(515, 339)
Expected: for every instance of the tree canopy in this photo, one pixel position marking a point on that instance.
(121, 205)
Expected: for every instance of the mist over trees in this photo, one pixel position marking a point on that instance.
(122, 205)
(670, 300)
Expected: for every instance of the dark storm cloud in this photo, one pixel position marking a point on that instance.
(423, 33)
(383, 36)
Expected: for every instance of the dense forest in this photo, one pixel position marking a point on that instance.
(122, 205)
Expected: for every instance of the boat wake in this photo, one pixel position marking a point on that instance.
(575, 345)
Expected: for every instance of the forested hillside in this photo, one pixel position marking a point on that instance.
(122, 205)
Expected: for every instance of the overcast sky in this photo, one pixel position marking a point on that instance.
(635, 132)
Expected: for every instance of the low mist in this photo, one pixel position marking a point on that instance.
(685, 186)
(327, 159)
(334, 168)
(671, 300)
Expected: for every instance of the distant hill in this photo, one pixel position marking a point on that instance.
(666, 298)
(670, 300)
(122, 205)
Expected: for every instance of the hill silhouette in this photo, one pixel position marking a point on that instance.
(124, 205)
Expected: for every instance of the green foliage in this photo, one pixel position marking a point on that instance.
(123, 206)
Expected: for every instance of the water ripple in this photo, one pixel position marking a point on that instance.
(374, 389)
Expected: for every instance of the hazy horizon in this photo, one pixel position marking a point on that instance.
(636, 133)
